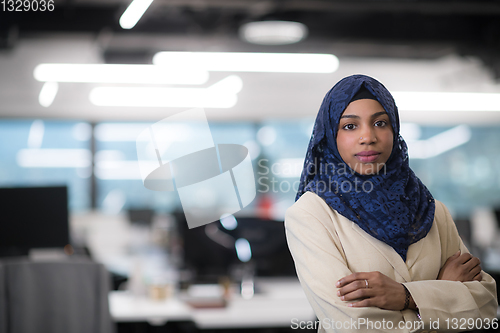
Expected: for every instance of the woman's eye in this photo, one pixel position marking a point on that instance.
(348, 127)
(381, 123)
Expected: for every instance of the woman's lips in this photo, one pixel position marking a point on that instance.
(367, 156)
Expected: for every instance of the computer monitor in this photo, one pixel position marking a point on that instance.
(209, 251)
(33, 217)
(141, 216)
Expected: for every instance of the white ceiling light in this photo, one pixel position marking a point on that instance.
(446, 101)
(114, 73)
(133, 13)
(250, 62)
(273, 32)
(48, 93)
(220, 95)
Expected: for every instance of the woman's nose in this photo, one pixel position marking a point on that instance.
(367, 136)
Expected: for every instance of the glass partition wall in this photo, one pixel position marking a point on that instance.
(459, 164)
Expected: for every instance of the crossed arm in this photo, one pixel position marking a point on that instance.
(375, 289)
(456, 289)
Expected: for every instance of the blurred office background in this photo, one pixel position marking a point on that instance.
(61, 127)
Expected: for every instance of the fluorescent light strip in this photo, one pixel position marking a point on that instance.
(113, 73)
(133, 13)
(116, 132)
(440, 143)
(160, 97)
(35, 137)
(53, 158)
(251, 62)
(273, 32)
(220, 95)
(48, 93)
(446, 101)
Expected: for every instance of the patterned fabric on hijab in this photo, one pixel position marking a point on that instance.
(393, 206)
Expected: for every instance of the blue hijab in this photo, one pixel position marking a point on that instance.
(393, 206)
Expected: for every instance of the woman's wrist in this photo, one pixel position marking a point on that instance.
(407, 297)
(412, 305)
(409, 301)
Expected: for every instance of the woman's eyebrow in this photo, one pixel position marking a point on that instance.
(349, 116)
(378, 114)
(372, 116)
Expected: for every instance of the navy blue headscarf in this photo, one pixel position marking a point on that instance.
(393, 206)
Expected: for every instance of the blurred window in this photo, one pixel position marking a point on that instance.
(47, 152)
(119, 181)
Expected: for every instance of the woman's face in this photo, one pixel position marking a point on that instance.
(365, 136)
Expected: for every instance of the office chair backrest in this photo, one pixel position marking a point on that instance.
(54, 297)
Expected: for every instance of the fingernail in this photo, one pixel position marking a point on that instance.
(342, 298)
(338, 293)
(338, 283)
(350, 305)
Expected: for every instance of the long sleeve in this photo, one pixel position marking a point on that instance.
(327, 247)
(320, 262)
(446, 300)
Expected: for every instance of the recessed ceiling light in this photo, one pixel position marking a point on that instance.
(133, 13)
(250, 62)
(273, 32)
(446, 101)
(117, 73)
(222, 94)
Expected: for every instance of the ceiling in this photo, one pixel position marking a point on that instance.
(397, 28)
(410, 45)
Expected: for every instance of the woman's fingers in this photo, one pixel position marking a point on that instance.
(464, 257)
(464, 267)
(355, 286)
(472, 269)
(351, 287)
(454, 256)
(367, 302)
(350, 278)
(357, 294)
(473, 262)
(474, 272)
(381, 292)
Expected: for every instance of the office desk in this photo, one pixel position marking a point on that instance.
(279, 301)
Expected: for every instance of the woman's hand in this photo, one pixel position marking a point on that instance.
(372, 289)
(461, 267)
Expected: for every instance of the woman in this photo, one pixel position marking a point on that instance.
(372, 248)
